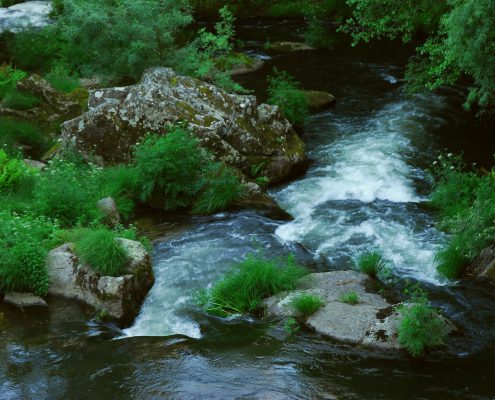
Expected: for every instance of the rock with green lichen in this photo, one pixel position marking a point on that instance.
(235, 128)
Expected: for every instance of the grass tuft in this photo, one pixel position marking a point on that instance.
(307, 304)
(351, 298)
(372, 263)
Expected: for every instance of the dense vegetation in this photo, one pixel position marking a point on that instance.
(465, 199)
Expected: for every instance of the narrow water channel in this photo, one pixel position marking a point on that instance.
(365, 189)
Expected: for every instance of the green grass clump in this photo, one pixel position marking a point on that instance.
(372, 263)
(247, 283)
(307, 304)
(61, 79)
(20, 101)
(350, 298)
(421, 327)
(101, 250)
(284, 92)
(12, 172)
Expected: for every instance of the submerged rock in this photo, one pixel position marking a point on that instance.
(233, 127)
(24, 300)
(288, 47)
(24, 15)
(318, 100)
(372, 322)
(121, 297)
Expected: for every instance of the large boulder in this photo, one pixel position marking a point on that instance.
(120, 297)
(29, 14)
(235, 128)
(372, 322)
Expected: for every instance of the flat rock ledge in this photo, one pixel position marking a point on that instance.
(288, 47)
(120, 297)
(24, 300)
(372, 322)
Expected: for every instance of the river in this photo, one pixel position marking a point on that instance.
(366, 189)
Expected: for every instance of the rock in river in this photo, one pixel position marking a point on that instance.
(24, 15)
(235, 128)
(121, 297)
(372, 322)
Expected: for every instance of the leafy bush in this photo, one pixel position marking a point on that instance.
(372, 263)
(175, 167)
(247, 283)
(350, 298)
(68, 193)
(8, 79)
(307, 304)
(283, 91)
(100, 249)
(466, 204)
(291, 326)
(421, 327)
(171, 166)
(12, 172)
(24, 243)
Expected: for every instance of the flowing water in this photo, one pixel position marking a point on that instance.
(365, 190)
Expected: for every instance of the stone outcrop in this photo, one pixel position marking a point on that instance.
(372, 322)
(120, 297)
(235, 128)
(483, 266)
(30, 14)
(318, 100)
(24, 300)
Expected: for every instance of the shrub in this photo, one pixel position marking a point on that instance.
(247, 283)
(9, 78)
(100, 249)
(67, 192)
(12, 172)
(20, 101)
(24, 243)
(421, 327)
(170, 166)
(220, 187)
(372, 263)
(350, 298)
(283, 91)
(292, 326)
(307, 304)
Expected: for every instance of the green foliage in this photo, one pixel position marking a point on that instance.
(247, 283)
(306, 304)
(24, 243)
(61, 79)
(283, 91)
(9, 78)
(220, 187)
(16, 133)
(120, 39)
(175, 167)
(20, 101)
(12, 172)
(459, 40)
(350, 298)
(100, 249)
(466, 204)
(373, 264)
(171, 166)
(9, 95)
(421, 327)
(67, 193)
(292, 326)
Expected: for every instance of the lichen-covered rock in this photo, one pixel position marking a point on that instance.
(109, 210)
(234, 128)
(55, 106)
(24, 300)
(121, 297)
(372, 322)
